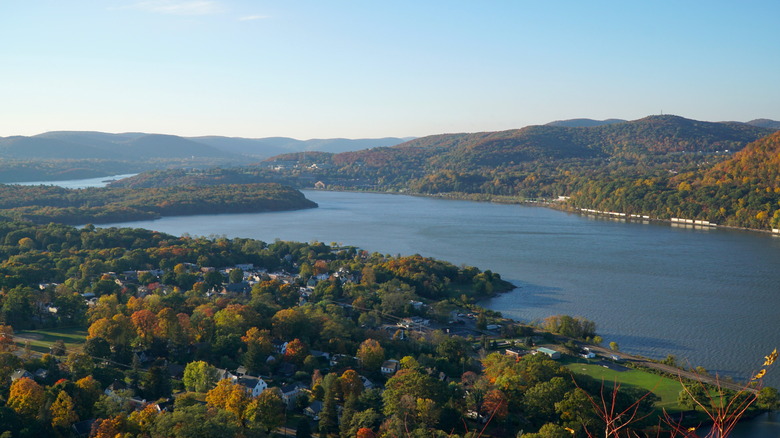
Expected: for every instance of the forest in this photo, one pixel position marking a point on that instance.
(46, 203)
(195, 337)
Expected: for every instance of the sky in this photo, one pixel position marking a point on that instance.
(359, 69)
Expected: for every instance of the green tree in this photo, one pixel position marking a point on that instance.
(97, 347)
(58, 348)
(329, 422)
(768, 399)
(236, 275)
(550, 430)
(539, 401)
(80, 365)
(199, 376)
(692, 395)
(371, 354)
(155, 383)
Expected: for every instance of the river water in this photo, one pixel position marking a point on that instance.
(78, 183)
(708, 296)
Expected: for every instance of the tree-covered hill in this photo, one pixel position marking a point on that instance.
(765, 123)
(95, 145)
(584, 123)
(639, 167)
(650, 135)
(743, 191)
(44, 204)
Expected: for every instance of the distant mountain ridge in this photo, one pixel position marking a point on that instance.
(584, 123)
(263, 147)
(765, 123)
(79, 145)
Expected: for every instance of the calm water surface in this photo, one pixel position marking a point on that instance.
(78, 183)
(710, 297)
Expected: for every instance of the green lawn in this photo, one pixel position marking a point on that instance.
(664, 387)
(41, 340)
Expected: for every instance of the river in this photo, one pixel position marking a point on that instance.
(77, 183)
(708, 296)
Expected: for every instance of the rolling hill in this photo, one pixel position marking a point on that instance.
(654, 135)
(666, 166)
(584, 123)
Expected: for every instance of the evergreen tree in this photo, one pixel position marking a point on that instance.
(329, 422)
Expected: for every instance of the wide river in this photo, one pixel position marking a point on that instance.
(709, 297)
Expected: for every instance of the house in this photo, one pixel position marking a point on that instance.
(20, 374)
(367, 384)
(549, 352)
(291, 392)
(515, 352)
(254, 385)
(116, 391)
(414, 321)
(236, 288)
(319, 185)
(280, 346)
(417, 305)
(313, 410)
(225, 374)
(389, 366)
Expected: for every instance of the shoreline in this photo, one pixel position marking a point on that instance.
(546, 203)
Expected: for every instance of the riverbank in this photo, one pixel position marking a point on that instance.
(561, 205)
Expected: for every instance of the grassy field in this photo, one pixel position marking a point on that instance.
(664, 387)
(41, 340)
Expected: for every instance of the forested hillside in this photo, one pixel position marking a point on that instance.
(650, 166)
(43, 204)
(743, 191)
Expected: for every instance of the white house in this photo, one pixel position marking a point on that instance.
(254, 385)
(390, 366)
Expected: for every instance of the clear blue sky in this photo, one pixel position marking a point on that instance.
(321, 69)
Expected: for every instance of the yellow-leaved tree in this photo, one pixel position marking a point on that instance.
(26, 397)
(63, 411)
